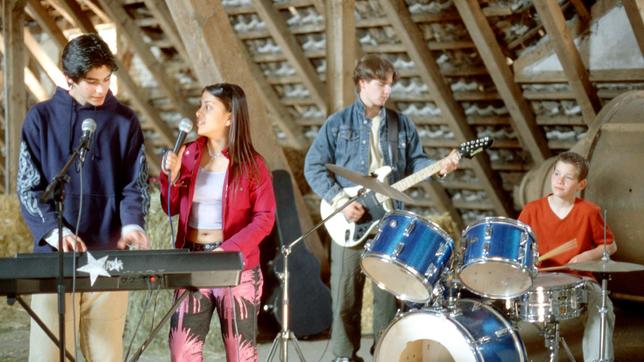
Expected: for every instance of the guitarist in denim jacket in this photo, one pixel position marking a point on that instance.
(362, 138)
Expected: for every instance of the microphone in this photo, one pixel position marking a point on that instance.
(88, 126)
(185, 126)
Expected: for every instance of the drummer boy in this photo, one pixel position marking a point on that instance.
(560, 217)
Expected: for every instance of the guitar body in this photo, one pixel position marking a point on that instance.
(350, 234)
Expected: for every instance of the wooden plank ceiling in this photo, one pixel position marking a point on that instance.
(459, 61)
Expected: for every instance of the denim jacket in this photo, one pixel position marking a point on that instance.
(343, 140)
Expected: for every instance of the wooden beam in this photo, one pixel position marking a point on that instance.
(162, 15)
(440, 197)
(523, 119)
(292, 50)
(569, 57)
(48, 65)
(40, 14)
(418, 51)
(341, 53)
(205, 30)
(132, 33)
(582, 11)
(137, 98)
(15, 98)
(635, 12)
(31, 81)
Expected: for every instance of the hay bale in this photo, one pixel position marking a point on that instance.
(15, 237)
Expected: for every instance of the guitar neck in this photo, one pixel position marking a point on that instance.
(412, 180)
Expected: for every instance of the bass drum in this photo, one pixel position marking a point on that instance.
(471, 332)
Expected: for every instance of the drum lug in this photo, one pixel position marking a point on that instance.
(431, 270)
(393, 223)
(488, 231)
(486, 247)
(503, 332)
(410, 227)
(483, 340)
(368, 245)
(399, 248)
(441, 250)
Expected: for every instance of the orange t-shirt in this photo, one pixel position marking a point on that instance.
(584, 223)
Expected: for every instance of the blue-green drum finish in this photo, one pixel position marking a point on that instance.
(407, 256)
(499, 258)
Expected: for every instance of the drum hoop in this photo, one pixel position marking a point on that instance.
(431, 224)
(501, 220)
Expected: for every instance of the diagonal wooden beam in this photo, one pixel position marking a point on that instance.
(292, 50)
(15, 99)
(635, 12)
(555, 24)
(523, 120)
(162, 14)
(132, 33)
(31, 81)
(40, 14)
(412, 39)
(139, 101)
(46, 63)
(205, 30)
(582, 11)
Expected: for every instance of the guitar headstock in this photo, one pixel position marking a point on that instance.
(470, 148)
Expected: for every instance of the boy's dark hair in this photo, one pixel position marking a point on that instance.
(580, 163)
(373, 66)
(84, 53)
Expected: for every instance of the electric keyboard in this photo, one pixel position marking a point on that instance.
(128, 270)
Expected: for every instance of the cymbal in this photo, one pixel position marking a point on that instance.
(369, 182)
(606, 266)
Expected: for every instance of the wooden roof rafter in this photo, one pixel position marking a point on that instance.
(523, 119)
(635, 12)
(161, 13)
(413, 40)
(569, 57)
(31, 81)
(292, 50)
(132, 33)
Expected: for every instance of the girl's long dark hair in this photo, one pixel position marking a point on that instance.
(241, 152)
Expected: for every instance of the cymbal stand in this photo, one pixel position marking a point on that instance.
(602, 310)
(285, 335)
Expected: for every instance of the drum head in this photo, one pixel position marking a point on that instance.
(423, 336)
(396, 278)
(552, 280)
(495, 279)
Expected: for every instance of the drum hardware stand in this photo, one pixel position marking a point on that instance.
(552, 338)
(602, 309)
(285, 335)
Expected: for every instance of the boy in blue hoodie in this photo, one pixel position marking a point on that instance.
(114, 194)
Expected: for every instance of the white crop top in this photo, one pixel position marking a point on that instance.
(206, 210)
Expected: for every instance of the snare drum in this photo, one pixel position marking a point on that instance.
(407, 256)
(554, 296)
(470, 332)
(499, 258)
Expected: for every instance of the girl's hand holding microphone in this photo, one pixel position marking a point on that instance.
(171, 163)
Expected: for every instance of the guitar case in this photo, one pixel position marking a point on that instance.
(309, 298)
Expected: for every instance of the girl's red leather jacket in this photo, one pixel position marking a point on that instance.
(248, 208)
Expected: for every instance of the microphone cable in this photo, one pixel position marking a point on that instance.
(78, 218)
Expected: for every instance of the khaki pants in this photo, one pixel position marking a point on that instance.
(100, 320)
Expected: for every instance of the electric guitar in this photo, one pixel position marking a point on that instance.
(348, 234)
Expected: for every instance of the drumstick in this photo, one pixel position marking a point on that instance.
(567, 246)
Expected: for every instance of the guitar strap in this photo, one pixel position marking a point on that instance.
(392, 135)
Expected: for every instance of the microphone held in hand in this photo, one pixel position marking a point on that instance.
(185, 126)
(88, 126)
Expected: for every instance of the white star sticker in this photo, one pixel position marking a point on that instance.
(94, 268)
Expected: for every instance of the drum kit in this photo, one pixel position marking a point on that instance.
(415, 260)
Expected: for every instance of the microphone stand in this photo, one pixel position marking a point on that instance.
(285, 334)
(56, 191)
